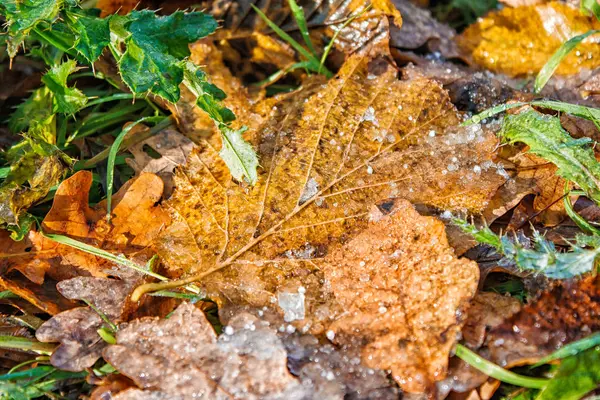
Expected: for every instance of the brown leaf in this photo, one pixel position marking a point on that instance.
(136, 221)
(401, 292)
(329, 153)
(76, 329)
(172, 148)
(519, 41)
(181, 357)
(569, 312)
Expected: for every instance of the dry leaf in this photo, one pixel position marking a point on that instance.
(76, 329)
(182, 358)
(172, 148)
(402, 293)
(136, 221)
(569, 312)
(521, 3)
(519, 41)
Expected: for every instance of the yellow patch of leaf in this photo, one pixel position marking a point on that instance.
(519, 41)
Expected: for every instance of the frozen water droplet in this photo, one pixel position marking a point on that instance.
(292, 305)
(311, 188)
(330, 335)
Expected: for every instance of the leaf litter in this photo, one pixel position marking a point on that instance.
(334, 264)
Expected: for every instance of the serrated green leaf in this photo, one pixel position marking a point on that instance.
(92, 33)
(23, 15)
(37, 107)
(239, 155)
(155, 47)
(543, 258)
(66, 99)
(208, 96)
(546, 138)
(575, 377)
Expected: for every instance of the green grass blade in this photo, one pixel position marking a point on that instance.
(21, 343)
(111, 257)
(28, 374)
(298, 14)
(287, 38)
(112, 154)
(571, 349)
(578, 219)
(548, 69)
(333, 39)
(490, 112)
(497, 372)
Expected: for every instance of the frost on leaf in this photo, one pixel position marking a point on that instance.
(182, 358)
(519, 41)
(323, 167)
(136, 221)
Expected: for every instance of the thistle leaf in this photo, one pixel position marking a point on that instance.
(66, 100)
(92, 33)
(543, 258)
(546, 138)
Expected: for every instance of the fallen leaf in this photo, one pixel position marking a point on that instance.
(181, 357)
(77, 329)
(522, 3)
(560, 316)
(171, 149)
(402, 293)
(420, 29)
(519, 41)
(136, 221)
(328, 155)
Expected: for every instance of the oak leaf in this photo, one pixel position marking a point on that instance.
(136, 221)
(182, 358)
(519, 41)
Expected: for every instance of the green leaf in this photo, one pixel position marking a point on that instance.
(37, 107)
(546, 138)
(20, 230)
(239, 155)
(67, 100)
(590, 7)
(575, 377)
(298, 14)
(92, 33)
(156, 45)
(552, 64)
(543, 258)
(23, 15)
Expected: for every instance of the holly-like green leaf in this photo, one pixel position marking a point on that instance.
(156, 47)
(91, 32)
(575, 377)
(67, 100)
(208, 96)
(546, 138)
(543, 257)
(23, 15)
(239, 155)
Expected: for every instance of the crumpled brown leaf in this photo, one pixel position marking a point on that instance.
(402, 293)
(328, 154)
(568, 312)
(172, 148)
(136, 221)
(519, 41)
(182, 358)
(76, 329)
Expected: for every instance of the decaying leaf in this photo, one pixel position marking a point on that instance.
(519, 41)
(170, 148)
(136, 221)
(328, 154)
(76, 329)
(566, 313)
(401, 293)
(182, 358)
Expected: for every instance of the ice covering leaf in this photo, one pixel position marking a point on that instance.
(543, 258)
(329, 153)
(67, 100)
